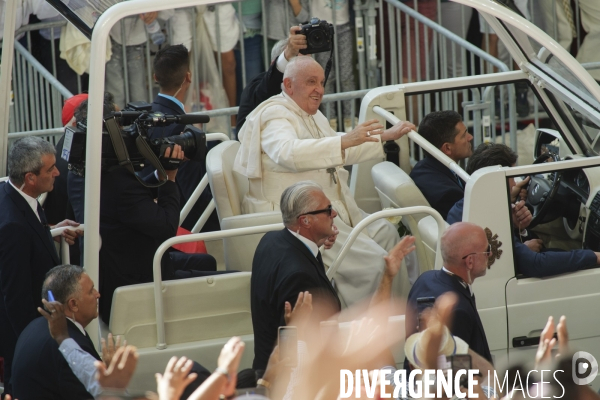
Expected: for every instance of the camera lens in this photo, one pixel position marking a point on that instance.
(316, 38)
(192, 142)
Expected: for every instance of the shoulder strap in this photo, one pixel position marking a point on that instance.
(123, 155)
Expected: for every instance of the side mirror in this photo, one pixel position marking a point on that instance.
(546, 141)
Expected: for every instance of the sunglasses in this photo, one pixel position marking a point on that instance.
(327, 210)
(487, 253)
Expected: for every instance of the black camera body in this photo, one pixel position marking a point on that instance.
(133, 125)
(319, 36)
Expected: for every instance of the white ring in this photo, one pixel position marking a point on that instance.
(369, 133)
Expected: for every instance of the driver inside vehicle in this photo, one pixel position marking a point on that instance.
(531, 258)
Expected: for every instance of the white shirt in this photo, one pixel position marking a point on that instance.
(33, 203)
(312, 246)
(282, 62)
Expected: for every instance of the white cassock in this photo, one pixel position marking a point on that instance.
(280, 145)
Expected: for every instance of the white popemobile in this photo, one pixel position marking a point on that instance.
(195, 317)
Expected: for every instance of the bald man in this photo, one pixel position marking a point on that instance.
(286, 139)
(465, 253)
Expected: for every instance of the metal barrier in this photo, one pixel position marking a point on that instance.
(38, 95)
(416, 49)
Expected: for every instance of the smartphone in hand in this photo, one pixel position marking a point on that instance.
(288, 345)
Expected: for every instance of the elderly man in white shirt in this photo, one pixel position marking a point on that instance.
(286, 139)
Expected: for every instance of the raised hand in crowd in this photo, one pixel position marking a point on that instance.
(118, 373)
(362, 348)
(299, 315)
(276, 371)
(57, 321)
(110, 347)
(548, 341)
(393, 262)
(224, 379)
(171, 384)
(296, 43)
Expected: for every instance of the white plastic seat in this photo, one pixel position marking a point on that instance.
(195, 309)
(396, 189)
(200, 315)
(228, 188)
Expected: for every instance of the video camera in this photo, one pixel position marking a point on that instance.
(125, 140)
(319, 36)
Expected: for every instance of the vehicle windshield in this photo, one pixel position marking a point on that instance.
(568, 93)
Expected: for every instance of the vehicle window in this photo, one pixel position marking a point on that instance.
(562, 220)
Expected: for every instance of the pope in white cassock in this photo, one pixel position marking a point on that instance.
(287, 139)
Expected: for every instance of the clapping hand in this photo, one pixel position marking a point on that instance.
(122, 366)
(171, 384)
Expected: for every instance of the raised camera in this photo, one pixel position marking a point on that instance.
(319, 36)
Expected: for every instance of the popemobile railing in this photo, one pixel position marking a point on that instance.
(208, 236)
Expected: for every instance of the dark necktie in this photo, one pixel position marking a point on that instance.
(320, 260)
(44, 222)
(458, 179)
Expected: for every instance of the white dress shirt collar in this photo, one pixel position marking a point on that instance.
(462, 282)
(33, 203)
(312, 246)
(78, 325)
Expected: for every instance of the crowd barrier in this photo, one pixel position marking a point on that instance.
(394, 44)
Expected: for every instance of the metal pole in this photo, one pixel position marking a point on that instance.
(5, 77)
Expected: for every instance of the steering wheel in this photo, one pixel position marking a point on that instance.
(541, 191)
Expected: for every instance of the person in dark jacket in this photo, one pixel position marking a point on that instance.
(465, 252)
(39, 370)
(442, 187)
(268, 83)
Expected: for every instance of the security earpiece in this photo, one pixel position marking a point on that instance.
(305, 220)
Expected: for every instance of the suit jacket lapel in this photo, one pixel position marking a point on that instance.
(446, 171)
(301, 247)
(467, 294)
(32, 220)
(84, 341)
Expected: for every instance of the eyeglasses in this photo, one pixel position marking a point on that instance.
(487, 253)
(327, 210)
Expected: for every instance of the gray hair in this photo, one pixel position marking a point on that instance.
(297, 200)
(279, 48)
(26, 156)
(294, 66)
(63, 281)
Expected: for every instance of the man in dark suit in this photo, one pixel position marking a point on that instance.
(172, 72)
(442, 187)
(289, 262)
(465, 252)
(268, 83)
(39, 370)
(26, 247)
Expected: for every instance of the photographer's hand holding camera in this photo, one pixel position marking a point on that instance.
(172, 160)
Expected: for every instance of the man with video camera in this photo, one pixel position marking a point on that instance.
(172, 72)
(134, 220)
